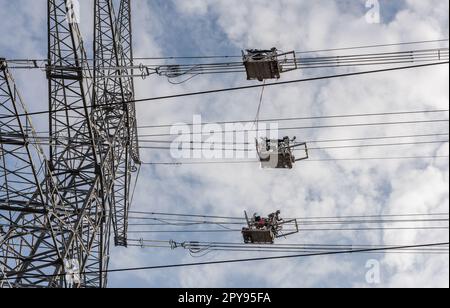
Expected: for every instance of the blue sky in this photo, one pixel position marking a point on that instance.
(201, 27)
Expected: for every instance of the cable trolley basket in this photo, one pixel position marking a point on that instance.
(267, 64)
(265, 230)
(278, 153)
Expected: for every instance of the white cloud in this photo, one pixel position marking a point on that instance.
(198, 7)
(343, 189)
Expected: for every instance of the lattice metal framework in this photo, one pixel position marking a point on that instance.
(57, 214)
(112, 50)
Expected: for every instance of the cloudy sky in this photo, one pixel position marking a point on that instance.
(225, 27)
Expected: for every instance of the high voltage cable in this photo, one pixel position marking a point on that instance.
(303, 224)
(207, 250)
(336, 220)
(293, 230)
(359, 251)
(391, 58)
(299, 218)
(292, 250)
(173, 71)
(213, 147)
(307, 127)
(305, 161)
(300, 221)
(200, 247)
(291, 119)
(303, 118)
(168, 97)
(240, 56)
(195, 248)
(293, 81)
(177, 70)
(311, 148)
(274, 246)
(383, 59)
(307, 141)
(301, 52)
(409, 55)
(248, 143)
(387, 58)
(377, 46)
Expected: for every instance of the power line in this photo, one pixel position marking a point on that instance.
(294, 81)
(300, 52)
(304, 118)
(214, 145)
(313, 148)
(240, 56)
(308, 127)
(307, 141)
(305, 161)
(168, 97)
(196, 247)
(359, 251)
(304, 218)
(262, 250)
(293, 119)
(377, 46)
(274, 246)
(378, 145)
(301, 230)
(206, 250)
(305, 223)
(172, 71)
(300, 221)
(354, 60)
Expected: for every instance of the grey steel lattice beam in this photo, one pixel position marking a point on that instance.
(112, 43)
(125, 36)
(25, 206)
(131, 161)
(78, 169)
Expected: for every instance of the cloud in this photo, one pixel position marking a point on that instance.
(310, 189)
(197, 7)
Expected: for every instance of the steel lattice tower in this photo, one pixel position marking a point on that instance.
(57, 214)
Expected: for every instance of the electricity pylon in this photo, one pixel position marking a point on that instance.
(57, 214)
